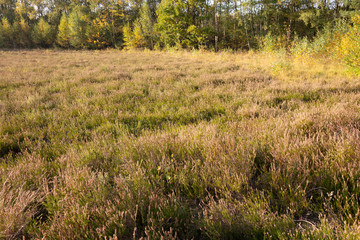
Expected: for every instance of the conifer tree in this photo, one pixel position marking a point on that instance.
(63, 36)
(6, 33)
(133, 38)
(128, 37)
(138, 36)
(77, 27)
(172, 22)
(147, 25)
(142, 34)
(2, 38)
(15, 29)
(24, 33)
(99, 33)
(43, 34)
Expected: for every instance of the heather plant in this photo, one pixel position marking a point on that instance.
(177, 145)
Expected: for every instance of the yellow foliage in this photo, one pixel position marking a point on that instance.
(98, 34)
(63, 37)
(135, 38)
(348, 48)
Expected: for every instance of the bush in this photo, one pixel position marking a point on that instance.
(271, 43)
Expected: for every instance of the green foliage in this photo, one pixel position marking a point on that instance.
(133, 38)
(272, 43)
(142, 35)
(6, 33)
(270, 25)
(177, 27)
(17, 34)
(78, 22)
(349, 46)
(172, 23)
(24, 37)
(147, 26)
(63, 36)
(2, 37)
(99, 33)
(128, 37)
(195, 38)
(43, 34)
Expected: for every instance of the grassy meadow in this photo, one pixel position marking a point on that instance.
(177, 145)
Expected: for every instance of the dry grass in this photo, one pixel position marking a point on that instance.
(177, 145)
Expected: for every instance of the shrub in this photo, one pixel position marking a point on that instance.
(271, 43)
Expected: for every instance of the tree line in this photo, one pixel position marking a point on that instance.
(210, 24)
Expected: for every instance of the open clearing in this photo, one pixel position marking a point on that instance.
(97, 144)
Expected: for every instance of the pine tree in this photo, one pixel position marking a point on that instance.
(138, 36)
(127, 33)
(2, 37)
(63, 36)
(43, 34)
(99, 33)
(24, 33)
(77, 26)
(172, 22)
(142, 35)
(147, 25)
(6, 33)
(15, 28)
(133, 38)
